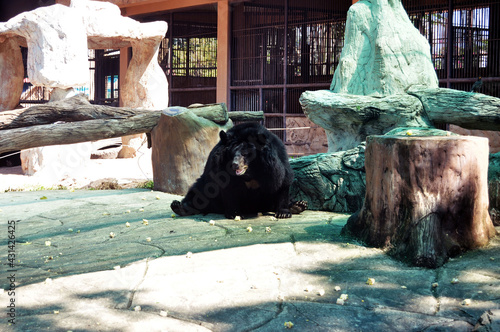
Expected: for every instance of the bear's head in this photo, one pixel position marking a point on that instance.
(242, 152)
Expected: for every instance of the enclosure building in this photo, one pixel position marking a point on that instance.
(261, 55)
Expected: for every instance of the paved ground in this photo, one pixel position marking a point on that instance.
(188, 275)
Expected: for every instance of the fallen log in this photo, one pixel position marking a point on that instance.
(75, 120)
(217, 112)
(246, 116)
(78, 108)
(75, 132)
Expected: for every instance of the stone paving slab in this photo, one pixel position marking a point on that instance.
(231, 280)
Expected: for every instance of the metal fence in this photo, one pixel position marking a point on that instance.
(188, 55)
(280, 49)
(464, 36)
(102, 87)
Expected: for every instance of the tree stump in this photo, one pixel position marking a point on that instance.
(426, 197)
(181, 143)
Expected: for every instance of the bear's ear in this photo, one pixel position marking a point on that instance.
(223, 136)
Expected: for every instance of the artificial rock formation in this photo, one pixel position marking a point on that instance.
(58, 37)
(383, 52)
(426, 197)
(181, 144)
(57, 45)
(386, 79)
(494, 187)
(383, 55)
(336, 181)
(462, 108)
(349, 119)
(330, 181)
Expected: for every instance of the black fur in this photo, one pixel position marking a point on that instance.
(246, 172)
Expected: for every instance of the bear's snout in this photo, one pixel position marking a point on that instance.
(239, 165)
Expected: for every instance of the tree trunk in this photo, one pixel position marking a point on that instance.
(40, 125)
(181, 144)
(426, 197)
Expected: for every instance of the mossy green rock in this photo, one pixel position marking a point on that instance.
(331, 181)
(336, 181)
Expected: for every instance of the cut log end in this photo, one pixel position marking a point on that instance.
(426, 197)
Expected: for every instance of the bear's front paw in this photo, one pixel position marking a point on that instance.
(283, 213)
(177, 207)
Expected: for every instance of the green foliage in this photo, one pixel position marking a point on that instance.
(37, 188)
(147, 185)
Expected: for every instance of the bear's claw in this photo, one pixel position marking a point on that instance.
(282, 214)
(298, 207)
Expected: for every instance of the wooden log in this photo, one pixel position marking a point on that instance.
(181, 144)
(75, 132)
(78, 108)
(82, 121)
(426, 197)
(246, 116)
(217, 112)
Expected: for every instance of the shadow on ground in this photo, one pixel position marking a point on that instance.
(291, 270)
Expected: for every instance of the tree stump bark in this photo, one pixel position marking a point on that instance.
(426, 197)
(181, 143)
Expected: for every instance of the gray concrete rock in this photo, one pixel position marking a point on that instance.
(330, 181)
(462, 108)
(349, 119)
(494, 187)
(383, 52)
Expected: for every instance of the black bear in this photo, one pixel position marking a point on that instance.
(246, 172)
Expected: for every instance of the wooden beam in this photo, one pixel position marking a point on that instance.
(223, 18)
(125, 56)
(151, 6)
